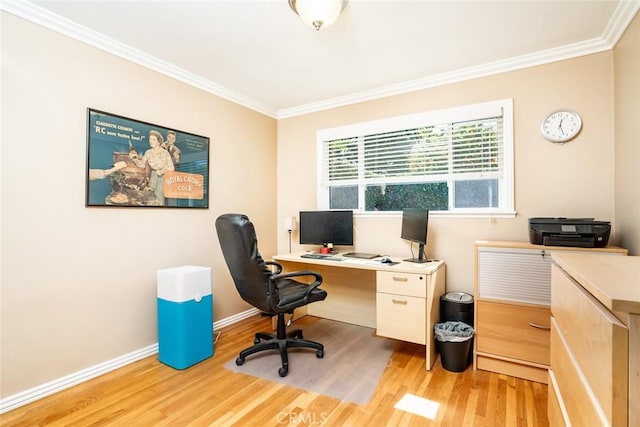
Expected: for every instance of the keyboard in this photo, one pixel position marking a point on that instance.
(363, 255)
(322, 256)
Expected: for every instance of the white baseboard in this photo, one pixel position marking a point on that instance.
(235, 318)
(22, 398)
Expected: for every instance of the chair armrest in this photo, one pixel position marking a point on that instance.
(274, 298)
(277, 265)
(317, 282)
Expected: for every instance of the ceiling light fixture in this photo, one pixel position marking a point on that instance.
(318, 13)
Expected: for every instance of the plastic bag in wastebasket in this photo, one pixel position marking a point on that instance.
(453, 331)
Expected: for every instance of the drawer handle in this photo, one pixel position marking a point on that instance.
(399, 279)
(399, 301)
(535, 325)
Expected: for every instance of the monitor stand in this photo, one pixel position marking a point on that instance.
(417, 260)
(421, 258)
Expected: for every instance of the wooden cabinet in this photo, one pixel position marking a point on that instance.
(513, 298)
(408, 306)
(595, 365)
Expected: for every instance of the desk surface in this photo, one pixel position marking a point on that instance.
(365, 264)
(614, 281)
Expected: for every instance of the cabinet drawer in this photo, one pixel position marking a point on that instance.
(401, 317)
(402, 283)
(554, 403)
(596, 339)
(572, 388)
(515, 331)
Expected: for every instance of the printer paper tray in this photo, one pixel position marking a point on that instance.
(573, 241)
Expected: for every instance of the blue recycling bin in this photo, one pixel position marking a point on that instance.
(185, 316)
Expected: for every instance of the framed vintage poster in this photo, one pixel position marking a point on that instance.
(138, 164)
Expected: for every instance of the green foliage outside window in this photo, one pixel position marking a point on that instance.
(431, 195)
(343, 197)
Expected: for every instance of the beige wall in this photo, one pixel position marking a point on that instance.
(626, 56)
(78, 284)
(573, 180)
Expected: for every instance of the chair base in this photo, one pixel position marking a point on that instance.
(280, 341)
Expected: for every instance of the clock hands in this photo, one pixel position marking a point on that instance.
(561, 126)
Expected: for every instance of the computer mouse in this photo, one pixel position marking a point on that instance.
(386, 260)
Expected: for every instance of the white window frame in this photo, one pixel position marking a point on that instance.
(456, 114)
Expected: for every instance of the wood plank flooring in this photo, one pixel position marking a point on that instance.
(148, 393)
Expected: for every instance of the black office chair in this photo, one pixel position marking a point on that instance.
(268, 290)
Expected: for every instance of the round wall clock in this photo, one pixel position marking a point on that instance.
(561, 126)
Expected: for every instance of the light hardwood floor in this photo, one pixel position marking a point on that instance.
(148, 393)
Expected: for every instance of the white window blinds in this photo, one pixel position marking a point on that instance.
(471, 148)
(460, 145)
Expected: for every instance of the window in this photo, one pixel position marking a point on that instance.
(458, 160)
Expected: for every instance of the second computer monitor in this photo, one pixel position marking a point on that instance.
(415, 223)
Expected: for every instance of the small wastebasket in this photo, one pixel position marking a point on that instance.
(456, 306)
(454, 341)
(185, 315)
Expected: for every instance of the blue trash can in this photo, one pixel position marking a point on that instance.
(185, 316)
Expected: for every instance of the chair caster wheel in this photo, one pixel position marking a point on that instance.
(240, 361)
(320, 354)
(283, 372)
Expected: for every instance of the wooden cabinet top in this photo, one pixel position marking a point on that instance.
(612, 280)
(513, 244)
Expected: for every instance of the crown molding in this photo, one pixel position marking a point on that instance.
(516, 63)
(622, 16)
(47, 19)
(620, 20)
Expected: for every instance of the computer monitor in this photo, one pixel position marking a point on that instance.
(414, 228)
(326, 227)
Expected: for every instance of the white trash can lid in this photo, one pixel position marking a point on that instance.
(460, 297)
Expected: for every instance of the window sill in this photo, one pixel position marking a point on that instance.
(438, 214)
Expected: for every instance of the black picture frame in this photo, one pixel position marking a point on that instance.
(132, 163)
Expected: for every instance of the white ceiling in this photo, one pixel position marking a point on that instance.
(258, 53)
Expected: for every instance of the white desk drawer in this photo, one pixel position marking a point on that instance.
(401, 317)
(402, 283)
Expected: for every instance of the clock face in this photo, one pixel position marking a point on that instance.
(561, 126)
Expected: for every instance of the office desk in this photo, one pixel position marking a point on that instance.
(400, 301)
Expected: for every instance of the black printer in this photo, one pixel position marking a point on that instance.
(576, 232)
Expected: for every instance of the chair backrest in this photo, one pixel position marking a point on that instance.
(239, 245)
